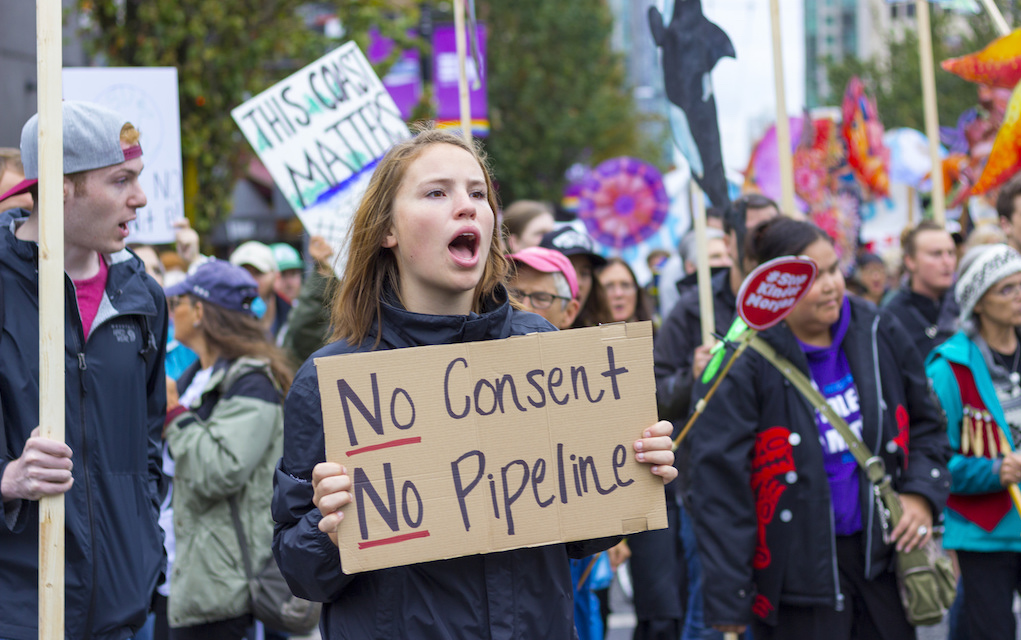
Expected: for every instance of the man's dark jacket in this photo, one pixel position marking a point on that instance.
(512, 595)
(929, 322)
(676, 341)
(115, 406)
(760, 495)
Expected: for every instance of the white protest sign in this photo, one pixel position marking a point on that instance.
(147, 98)
(320, 133)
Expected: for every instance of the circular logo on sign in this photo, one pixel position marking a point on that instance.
(769, 293)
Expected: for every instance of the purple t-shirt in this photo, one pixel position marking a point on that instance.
(832, 377)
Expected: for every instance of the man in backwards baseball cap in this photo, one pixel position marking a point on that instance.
(115, 388)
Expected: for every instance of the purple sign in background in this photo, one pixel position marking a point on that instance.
(445, 75)
(403, 81)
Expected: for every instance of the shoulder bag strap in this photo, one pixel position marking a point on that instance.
(872, 465)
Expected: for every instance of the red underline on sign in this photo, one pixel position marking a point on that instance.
(393, 540)
(385, 445)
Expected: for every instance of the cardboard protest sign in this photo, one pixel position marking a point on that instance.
(471, 448)
(769, 293)
(147, 98)
(320, 132)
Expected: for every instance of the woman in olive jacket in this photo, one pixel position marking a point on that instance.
(225, 434)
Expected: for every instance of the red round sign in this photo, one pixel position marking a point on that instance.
(769, 293)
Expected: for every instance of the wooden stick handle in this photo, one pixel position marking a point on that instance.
(1015, 496)
(700, 405)
(464, 96)
(51, 307)
(783, 129)
(588, 570)
(705, 285)
(997, 17)
(929, 103)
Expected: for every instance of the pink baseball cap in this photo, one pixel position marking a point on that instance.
(548, 261)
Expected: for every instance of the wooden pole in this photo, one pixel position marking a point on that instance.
(911, 206)
(51, 306)
(929, 102)
(783, 128)
(462, 79)
(742, 344)
(705, 285)
(997, 17)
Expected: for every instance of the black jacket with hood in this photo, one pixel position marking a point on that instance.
(760, 495)
(115, 406)
(929, 322)
(512, 595)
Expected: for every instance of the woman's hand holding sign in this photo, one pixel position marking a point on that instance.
(332, 487)
(655, 448)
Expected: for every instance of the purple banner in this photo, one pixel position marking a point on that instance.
(445, 75)
(403, 82)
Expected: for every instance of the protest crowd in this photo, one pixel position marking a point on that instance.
(802, 464)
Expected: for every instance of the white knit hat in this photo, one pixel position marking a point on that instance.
(981, 268)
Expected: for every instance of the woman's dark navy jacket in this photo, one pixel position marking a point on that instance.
(521, 594)
(760, 495)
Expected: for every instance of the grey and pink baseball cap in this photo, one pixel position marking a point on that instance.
(92, 140)
(548, 261)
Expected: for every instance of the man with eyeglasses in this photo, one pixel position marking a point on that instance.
(544, 282)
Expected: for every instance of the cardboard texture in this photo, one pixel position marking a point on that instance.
(442, 468)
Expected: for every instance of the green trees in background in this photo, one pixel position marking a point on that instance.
(895, 78)
(557, 95)
(225, 51)
(557, 91)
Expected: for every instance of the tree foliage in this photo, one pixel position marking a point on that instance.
(895, 77)
(225, 51)
(557, 94)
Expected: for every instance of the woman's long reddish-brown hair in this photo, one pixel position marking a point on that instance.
(372, 268)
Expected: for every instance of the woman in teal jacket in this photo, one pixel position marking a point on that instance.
(977, 376)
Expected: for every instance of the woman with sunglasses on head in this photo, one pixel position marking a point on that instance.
(225, 433)
(789, 534)
(424, 267)
(977, 375)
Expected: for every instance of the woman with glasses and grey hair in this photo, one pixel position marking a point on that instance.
(977, 375)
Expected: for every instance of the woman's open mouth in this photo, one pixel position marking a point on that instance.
(465, 248)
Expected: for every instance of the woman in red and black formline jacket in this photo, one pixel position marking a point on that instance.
(791, 540)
